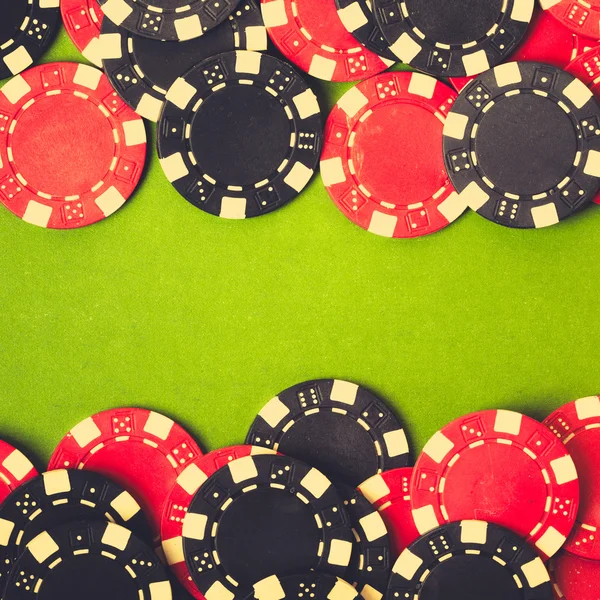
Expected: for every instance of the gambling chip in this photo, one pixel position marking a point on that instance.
(358, 19)
(142, 70)
(71, 151)
(453, 39)
(580, 16)
(82, 20)
(15, 469)
(174, 20)
(240, 134)
(503, 467)
(178, 504)
(141, 450)
(381, 162)
(371, 562)
(310, 34)
(316, 586)
(469, 559)
(389, 493)
(497, 152)
(26, 29)
(574, 578)
(546, 41)
(261, 515)
(339, 427)
(88, 559)
(577, 425)
(58, 498)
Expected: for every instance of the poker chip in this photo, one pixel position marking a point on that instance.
(470, 559)
(82, 20)
(240, 134)
(453, 39)
(502, 467)
(58, 498)
(339, 427)
(577, 424)
(175, 20)
(497, 152)
(71, 151)
(316, 586)
(580, 16)
(88, 559)
(264, 515)
(15, 469)
(26, 29)
(358, 19)
(179, 500)
(371, 562)
(381, 162)
(141, 450)
(389, 492)
(311, 35)
(546, 41)
(574, 578)
(142, 70)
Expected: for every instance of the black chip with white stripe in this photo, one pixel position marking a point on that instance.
(240, 134)
(522, 145)
(311, 586)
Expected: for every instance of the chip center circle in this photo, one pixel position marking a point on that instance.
(495, 482)
(455, 22)
(88, 576)
(51, 166)
(267, 531)
(526, 125)
(240, 135)
(470, 577)
(399, 138)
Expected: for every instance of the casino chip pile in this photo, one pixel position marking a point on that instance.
(497, 112)
(323, 501)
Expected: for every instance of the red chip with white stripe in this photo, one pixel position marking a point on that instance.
(574, 578)
(580, 16)
(82, 20)
(577, 424)
(143, 451)
(15, 469)
(501, 467)
(71, 151)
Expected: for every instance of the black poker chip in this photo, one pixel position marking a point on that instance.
(94, 560)
(142, 69)
(339, 427)
(240, 134)
(371, 558)
(58, 497)
(358, 18)
(453, 38)
(469, 559)
(26, 29)
(311, 586)
(170, 20)
(522, 145)
(262, 515)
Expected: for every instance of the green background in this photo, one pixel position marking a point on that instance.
(204, 319)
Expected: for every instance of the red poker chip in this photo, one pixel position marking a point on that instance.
(580, 16)
(71, 151)
(389, 493)
(577, 424)
(381, 161)
(501, 467)
(15, 469)
(82, 20)
(142, 450)
(546, 41)
(178, 502)
(311, 35)
(575, 578)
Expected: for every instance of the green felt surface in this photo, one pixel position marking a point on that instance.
(163, 306)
